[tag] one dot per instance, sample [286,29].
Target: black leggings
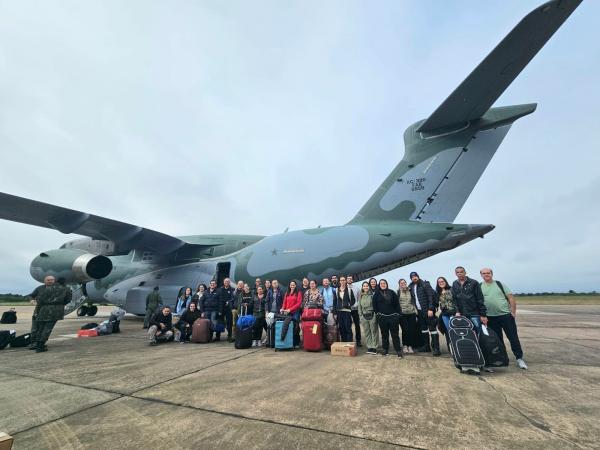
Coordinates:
[258,328]
[389,325]
[408,323]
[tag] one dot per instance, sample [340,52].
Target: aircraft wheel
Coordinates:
[82,311]
[92,310]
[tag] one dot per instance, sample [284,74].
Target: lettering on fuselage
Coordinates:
[418,184]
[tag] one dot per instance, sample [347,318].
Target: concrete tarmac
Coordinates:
[118,392]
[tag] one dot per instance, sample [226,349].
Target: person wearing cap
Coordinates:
[425,300]
[469,298]
[501,312]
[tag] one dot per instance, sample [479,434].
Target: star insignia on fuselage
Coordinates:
[274,252]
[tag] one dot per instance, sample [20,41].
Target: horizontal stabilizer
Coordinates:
[478,92]
[126,236]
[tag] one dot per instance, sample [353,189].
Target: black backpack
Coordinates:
[21,341]
[89,326]
[494,351]
[9,316]
[5,338]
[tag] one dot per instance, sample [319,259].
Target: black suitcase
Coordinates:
[464,346]
[9,317]
[494,351]
[21,341]
[243,337]
[5,338]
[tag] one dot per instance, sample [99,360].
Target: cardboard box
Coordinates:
[343,349]
[6,441]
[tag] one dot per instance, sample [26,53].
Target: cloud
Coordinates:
[251,117]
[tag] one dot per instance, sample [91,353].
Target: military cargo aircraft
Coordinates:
[408,218]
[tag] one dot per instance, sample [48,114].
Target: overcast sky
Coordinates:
[230,117]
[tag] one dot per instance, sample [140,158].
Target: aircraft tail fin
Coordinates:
[477,93]
[438,173]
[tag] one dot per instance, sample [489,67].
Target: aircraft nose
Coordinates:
[480,230]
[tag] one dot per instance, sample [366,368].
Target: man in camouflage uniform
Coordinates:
[49,300]
[153,301]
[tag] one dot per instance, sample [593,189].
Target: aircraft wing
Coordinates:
[125,235]
[476,94]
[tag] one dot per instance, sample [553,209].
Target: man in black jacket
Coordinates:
[469,298]
[227,298]
[161,326]
[211,306]
[425,300]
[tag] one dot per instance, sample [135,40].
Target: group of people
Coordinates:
[412,315]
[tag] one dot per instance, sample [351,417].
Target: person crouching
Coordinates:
[183,328]
[161,326]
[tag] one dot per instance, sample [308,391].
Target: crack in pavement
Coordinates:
[539,425]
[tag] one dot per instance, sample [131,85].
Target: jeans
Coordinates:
[507,323]
[476,323]
[345,325]
[214,318]
[228,321]
[389,325]
[446,320]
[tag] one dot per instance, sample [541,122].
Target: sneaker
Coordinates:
[410,350]
[384,353]
[371,351]
[521,364]
[405,349]
[488,370]
[400,355]
[153,341]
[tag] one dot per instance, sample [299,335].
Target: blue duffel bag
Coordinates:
[245,320]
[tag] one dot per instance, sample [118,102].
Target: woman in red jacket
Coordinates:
[292,301]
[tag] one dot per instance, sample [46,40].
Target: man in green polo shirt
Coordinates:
[501,312]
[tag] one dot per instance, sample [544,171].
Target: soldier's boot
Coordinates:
[435,344]
[41,347]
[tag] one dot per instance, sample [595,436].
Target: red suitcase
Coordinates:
[311,336]
[312,314]
[201,332]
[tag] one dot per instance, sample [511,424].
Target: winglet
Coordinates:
[478,92]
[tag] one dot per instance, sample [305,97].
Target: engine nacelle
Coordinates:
[75,266]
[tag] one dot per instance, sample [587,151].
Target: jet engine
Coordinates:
[76,266]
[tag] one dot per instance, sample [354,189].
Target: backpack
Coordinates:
[6,337]
[9,316]
[89,326]
[21,341]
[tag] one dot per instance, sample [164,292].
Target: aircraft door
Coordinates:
[223,270]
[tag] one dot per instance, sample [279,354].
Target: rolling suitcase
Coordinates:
[245,329]
[288,342]
[312,336]
[465,346]
[331,334]
[201,332]
[493,349]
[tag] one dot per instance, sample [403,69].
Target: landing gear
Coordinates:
[82,311]
[92,310]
